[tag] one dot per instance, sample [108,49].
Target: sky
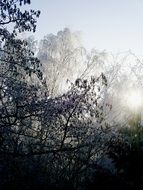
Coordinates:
[111,25]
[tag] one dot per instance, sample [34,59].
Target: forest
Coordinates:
[69,118]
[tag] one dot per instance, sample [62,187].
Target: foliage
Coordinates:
[127,154]
[48,140]
[11,13]
[62,57]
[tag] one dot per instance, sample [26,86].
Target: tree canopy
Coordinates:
[50,139]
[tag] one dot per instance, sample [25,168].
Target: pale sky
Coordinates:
[111,25]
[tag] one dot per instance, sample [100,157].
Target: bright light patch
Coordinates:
[134,100]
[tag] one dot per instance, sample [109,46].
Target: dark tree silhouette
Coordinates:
[45,142]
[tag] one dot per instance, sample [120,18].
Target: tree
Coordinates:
[17,96]
[62,56]
[49,139]
[12,14]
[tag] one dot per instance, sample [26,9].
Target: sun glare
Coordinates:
[135,100]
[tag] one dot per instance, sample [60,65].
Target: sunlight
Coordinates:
[134,100]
